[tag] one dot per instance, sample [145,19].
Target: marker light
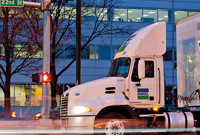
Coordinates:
[118,54]
[82,109]
[88,109]
[155,108]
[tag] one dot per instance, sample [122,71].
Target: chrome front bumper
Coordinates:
[79,124]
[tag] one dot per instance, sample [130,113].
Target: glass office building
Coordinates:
[98,55]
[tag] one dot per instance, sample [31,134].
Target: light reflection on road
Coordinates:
[34,127]
[57,132]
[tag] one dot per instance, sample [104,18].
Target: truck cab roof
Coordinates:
[143,42]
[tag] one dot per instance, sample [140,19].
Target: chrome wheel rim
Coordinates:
[114,127]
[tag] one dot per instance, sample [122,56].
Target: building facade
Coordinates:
[97,59]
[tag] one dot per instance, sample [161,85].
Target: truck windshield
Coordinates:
[119,67]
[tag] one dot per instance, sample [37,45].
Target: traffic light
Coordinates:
[46,77]
[36,77]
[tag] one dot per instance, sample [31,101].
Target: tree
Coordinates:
[19,43]
[63,28]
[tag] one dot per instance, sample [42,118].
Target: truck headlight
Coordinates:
[82,109]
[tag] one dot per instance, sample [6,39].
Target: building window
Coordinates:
[85,53]
[92,52]
[120,15]
[164,15]
[115,50]
[70,51]
[2,50]
[134,15]
[25,51]
[192,13]
[180,14]
[22,95]
[36,95]
[39,54]
[1,97]
[175,57]
[21,51]
[61,14]
[88,52]
[70,13]
[149,15]
[101,14]
[28,95]
[168,55]
[12,94]
[103,52]
[88,13]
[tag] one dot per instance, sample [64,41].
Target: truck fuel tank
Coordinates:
[179,120]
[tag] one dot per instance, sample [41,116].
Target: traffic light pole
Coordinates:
[45,7]
[46,60]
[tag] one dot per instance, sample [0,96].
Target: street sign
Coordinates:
[11,3]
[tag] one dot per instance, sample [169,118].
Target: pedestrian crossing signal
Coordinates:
[36,77]
[46,77]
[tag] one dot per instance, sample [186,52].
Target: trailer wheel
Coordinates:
[111,124]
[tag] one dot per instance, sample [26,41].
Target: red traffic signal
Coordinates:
[46,77]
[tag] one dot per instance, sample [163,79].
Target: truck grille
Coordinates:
[64,105]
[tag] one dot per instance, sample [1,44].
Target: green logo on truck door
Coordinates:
[143,94]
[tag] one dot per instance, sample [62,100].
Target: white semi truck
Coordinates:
[132,96]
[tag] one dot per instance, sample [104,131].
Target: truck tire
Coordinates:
[112,123]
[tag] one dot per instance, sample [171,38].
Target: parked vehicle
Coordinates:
[134,89]
[2,111]
[54,114]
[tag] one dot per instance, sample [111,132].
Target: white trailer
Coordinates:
[188,60]
[131,96]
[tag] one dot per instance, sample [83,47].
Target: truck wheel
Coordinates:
[111,124]
[114,127]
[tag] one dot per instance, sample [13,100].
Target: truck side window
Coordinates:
[135,77]
[149,69]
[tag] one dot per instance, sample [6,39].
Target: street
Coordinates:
[53,127]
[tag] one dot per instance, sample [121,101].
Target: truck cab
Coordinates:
[133,89]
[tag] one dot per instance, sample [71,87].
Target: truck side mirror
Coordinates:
[141,69]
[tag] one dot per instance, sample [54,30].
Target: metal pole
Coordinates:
[78,42]
[46,63]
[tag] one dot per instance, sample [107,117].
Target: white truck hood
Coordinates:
[97,94]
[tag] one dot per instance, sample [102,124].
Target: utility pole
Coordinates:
[78,42]
[46,7]
[46,58]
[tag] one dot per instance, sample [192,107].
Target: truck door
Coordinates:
[144,91]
